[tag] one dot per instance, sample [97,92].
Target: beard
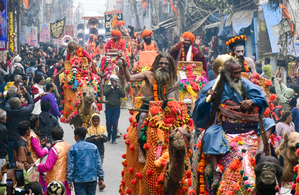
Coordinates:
[236,83]
[72,52]
[162,76]
[148,41]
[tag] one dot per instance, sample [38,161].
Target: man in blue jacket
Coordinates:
[84,165]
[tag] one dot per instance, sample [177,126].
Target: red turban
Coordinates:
[119,23]
[116,33]
[190,36]
[146,33]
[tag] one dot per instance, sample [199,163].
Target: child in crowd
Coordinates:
[97,134]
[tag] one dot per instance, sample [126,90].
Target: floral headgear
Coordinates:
[236,41]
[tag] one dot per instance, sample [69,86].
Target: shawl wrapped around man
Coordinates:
[215,132]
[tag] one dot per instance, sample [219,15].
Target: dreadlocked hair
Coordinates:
[172,67]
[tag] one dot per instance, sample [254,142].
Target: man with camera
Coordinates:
[113,91]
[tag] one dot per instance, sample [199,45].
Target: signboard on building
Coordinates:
[110,20]
[69,30]
[44,35]
[57,28]
[31,36]
[3,25]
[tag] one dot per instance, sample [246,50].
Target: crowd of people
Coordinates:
[31,137]
[31,103]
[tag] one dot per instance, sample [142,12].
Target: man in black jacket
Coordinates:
[113,91]
[15,115]
[3,138]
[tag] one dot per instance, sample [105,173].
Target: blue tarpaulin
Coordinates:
[224,32]
[272,18]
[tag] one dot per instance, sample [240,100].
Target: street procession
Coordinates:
[149,97]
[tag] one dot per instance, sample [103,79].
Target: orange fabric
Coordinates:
[119,23]
[287,15]
[31,149]
[26,3]
[150,47]
[116,33]
[190,36]
[95,38]
[143,4]
[146,33]
[174,9]
[147,58]
[58,172]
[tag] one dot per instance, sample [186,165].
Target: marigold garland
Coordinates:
[184,54]
[113,44]
[234,39]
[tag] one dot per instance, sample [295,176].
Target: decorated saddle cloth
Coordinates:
[230,120]
[235,121]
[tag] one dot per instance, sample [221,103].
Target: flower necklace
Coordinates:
[155,88]
[246,67]
[113,44]
[184,54]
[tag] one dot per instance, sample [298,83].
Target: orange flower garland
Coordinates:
[155,89]
[200,169]
[79,52]
[234,39]
[113,44]
[184,54]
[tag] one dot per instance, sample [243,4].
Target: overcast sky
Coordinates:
[92,5]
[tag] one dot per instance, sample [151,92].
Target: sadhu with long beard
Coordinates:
[161,83]
[238,90]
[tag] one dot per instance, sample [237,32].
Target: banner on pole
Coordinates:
[31,36]
[3,25]
[57,28]
[44,33]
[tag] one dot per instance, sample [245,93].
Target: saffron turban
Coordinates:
[119,23]
[116,33]
[146,33]
[190,36]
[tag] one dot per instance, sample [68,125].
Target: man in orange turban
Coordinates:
[116,43]
[120,23]
[89,46]
[100,48]
[148,44]
[185,51]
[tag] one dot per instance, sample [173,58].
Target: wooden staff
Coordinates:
[138,110]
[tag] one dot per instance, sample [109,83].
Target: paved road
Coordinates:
[112,161]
